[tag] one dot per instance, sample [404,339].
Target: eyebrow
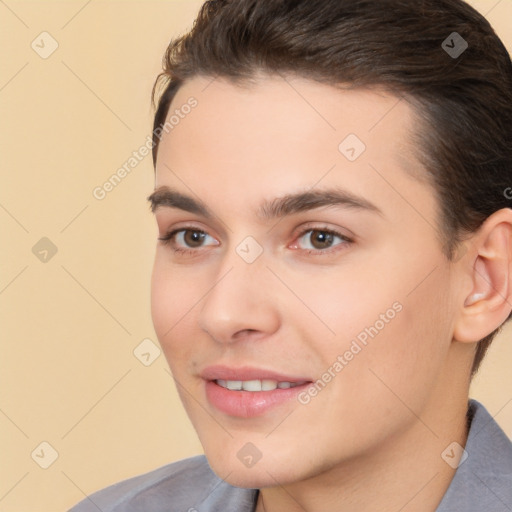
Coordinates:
[278,207]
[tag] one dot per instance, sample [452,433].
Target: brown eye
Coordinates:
[193,238]
[321,239]
[188,238]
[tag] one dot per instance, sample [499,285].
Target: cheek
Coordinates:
[163,303]
[404,357]
[340,305]
[173,298]
[392,323]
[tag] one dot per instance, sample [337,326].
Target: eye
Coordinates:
[320,240]
[185,239]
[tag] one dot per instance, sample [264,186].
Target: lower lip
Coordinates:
[247,404]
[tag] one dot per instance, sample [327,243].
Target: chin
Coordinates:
[263,473]
[247,478]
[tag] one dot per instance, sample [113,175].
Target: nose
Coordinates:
[242,302]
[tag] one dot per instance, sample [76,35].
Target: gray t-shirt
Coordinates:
[482,483]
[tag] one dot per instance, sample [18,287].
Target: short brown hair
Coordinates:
[464,101]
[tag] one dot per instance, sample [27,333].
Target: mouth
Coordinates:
[244,374]
[247,392]
[257,385]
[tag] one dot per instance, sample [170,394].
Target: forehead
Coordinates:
[282,133]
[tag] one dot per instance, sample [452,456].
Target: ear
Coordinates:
[488,272]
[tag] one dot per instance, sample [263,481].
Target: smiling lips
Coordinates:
[247,392]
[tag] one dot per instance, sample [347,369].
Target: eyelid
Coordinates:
[168,216]
[191,225]
[322,226]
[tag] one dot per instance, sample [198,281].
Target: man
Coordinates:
[334,257]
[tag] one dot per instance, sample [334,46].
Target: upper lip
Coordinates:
[245,373]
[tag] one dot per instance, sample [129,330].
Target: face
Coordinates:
[301,264]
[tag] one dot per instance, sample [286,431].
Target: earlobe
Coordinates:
[489,302]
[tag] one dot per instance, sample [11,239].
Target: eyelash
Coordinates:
[325,252]
[169,237]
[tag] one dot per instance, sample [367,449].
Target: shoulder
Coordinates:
[483,481]
[188,485]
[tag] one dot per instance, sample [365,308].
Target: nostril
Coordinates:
[246,333]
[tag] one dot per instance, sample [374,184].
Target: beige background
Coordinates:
[69,376]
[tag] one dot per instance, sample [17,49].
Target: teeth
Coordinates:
[234,385]
[268,385]
[256,385]
[251,385]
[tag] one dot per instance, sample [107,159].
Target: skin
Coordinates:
[372,438]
